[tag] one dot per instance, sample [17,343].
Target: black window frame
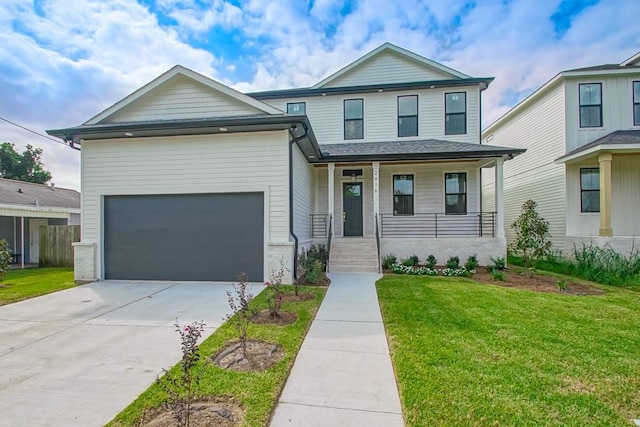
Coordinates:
[304,104]
[411,196]
[448,114]
[463,194]
[590,190]
[636,103]
[581,106]
[400,117]
[344,115]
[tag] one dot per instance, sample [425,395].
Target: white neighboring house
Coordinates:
[25,207]
[188,179]
[582,166]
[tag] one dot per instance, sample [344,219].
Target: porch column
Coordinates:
[22,243]
[331,193]
[604,160]
[376,191]
[499,195]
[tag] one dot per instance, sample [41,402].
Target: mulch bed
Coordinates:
[284,318]
[259,356]
[214,412]
[534,282]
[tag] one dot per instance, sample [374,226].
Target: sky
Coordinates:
[64,61]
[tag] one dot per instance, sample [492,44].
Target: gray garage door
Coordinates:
[184,237]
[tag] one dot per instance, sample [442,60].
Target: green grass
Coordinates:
[475,354]
[257,392]
[19,285]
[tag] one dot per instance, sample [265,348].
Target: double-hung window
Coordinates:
[353,118]
[590,190]
[455,188]
[297,108]
[590,105]
[455,113]
[636,103]
[403,194]
[408,115]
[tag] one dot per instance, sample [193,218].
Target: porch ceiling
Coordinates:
[428,149]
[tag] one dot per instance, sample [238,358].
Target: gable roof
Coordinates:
[388,47]
[22,193]
[170,74]
[620,139]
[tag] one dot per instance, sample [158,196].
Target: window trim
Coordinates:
[582,211]
[295,103]
[413,193]
[466,193]
[345,120]
[408,116]
[455,114]
[580,105]
[635,102]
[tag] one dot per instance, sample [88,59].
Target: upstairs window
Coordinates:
[455,188]
[408,115]
[403,194]
[353,119]
[590,105]
[636,103]
[297,108]
[590,190]
[455,112]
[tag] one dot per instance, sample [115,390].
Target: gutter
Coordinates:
[294,140]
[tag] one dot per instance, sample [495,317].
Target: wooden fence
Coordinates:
[55,245]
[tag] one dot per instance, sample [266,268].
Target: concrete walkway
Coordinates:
[343,374]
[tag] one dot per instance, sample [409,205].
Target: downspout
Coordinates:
[291,232]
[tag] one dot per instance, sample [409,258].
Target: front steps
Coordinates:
[353,255]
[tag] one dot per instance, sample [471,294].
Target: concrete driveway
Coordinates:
[78,357]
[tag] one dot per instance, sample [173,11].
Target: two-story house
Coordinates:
[188,179]
[582,166]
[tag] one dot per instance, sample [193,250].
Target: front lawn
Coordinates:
[477,354]
[19,285]
[256,392]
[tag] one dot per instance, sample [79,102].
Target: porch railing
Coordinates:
[473,224]
[319,225]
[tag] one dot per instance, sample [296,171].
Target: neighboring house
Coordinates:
[25,207]
[188,179]
[582,167]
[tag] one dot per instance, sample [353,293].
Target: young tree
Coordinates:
[27,166]
[532,234]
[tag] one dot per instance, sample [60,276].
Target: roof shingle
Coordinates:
[29,194]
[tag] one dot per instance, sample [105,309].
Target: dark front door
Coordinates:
[352,209]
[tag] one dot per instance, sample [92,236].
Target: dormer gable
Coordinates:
[389,64]
[181,93]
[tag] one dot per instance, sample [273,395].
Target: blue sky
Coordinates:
[63,61]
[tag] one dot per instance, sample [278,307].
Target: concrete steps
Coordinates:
[353,255]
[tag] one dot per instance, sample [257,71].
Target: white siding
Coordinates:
[326,114]
[192,164]
[388,67]
[532,175]
[182,98]
[617,108]
[303,197]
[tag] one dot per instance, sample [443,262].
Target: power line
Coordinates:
[34,132]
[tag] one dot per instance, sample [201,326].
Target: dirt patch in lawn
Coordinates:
[534,282]
[220,412]
[259,356]
[283,318]
[301,297]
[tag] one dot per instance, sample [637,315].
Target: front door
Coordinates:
[34,238]
[352,209]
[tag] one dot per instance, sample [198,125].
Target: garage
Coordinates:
[211,237]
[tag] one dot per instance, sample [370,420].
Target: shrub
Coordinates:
[497,275]
[411,261]
[453,263]
[431,261]
[498,264]
[310,270]
[532,234]
[5,258]
[419,271]
[319,253]
[388,261]
[314,273]
[472,262]
[606,266]
[457,272]
[239,301]
[562,285]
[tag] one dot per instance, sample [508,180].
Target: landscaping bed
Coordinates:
[251,387]
[28,283]
[523,279]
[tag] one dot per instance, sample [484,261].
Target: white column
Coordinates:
[22,243]
[331,193]
[499,193]
[376,191]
